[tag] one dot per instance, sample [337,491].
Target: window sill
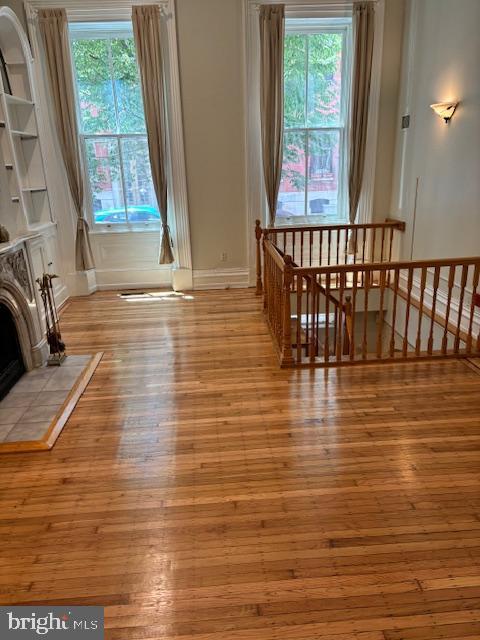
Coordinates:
[310,221]
[95,231]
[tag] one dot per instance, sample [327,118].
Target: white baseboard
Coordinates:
[235,278]
[112,279]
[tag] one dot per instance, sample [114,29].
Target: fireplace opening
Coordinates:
[12,366]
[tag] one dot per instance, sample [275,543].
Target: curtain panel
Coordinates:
[363,26]
[53,27]
[272,37]
[146,31]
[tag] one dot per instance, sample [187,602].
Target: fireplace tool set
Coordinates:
[54,337]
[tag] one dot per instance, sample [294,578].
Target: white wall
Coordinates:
[210,41]
[441,62]
[387,113]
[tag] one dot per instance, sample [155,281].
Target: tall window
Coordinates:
[112,126]
[317,87]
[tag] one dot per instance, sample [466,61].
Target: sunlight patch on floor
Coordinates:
[154,296]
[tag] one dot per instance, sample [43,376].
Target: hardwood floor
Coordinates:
[201,493]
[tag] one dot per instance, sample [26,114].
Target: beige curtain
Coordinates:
[54,29]
[272,35]
[146,30]
[363,25]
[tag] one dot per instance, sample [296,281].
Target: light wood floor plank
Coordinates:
[199,492]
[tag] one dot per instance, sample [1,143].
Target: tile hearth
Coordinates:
[28,410]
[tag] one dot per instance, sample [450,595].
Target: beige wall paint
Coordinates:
[210,38]
[388,120]
[444,158]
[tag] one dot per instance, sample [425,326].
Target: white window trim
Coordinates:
[345,30]
[119,10]
[106,31]
[255,190]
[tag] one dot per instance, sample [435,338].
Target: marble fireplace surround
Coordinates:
[18,295]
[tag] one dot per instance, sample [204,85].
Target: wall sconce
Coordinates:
[444,109]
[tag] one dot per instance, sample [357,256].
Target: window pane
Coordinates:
[94,86]
[324,79]
[291,198]
[295,65]
[141,202]
[127,86]
[105,181]
[323,157]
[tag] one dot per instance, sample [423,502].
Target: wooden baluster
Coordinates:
[354,308]
[329,246]
[407,311]
[463,284]
[299,317]
[366,288]
[394,311]
[347,328]
[311,245]
[301,248]
[327,318]
[340,314]
[364,242]
[314,328]
[335,327]
[476,275]
[338,247]
[294,242]
[451,282]
[345,246]
[355,247]
[383,276]
[423,282]
[382,256]
[390,248]
[436,281]
[258,236]
[372,251]
[307,313]
[317,317]
[320,251]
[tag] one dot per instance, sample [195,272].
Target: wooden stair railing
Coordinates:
[325,245]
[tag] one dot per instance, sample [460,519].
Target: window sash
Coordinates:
[106,31]
[343,27]
[127,225]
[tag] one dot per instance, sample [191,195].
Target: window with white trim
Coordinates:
[120,192]
[317,79]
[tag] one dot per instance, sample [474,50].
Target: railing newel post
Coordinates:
[286,353]
[258,237]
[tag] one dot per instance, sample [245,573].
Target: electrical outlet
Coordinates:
[476,299]
[224,256]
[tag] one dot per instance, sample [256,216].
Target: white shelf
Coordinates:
[34,189]
[24,135]
[17,100]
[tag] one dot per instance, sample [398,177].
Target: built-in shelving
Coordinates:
[26,203]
